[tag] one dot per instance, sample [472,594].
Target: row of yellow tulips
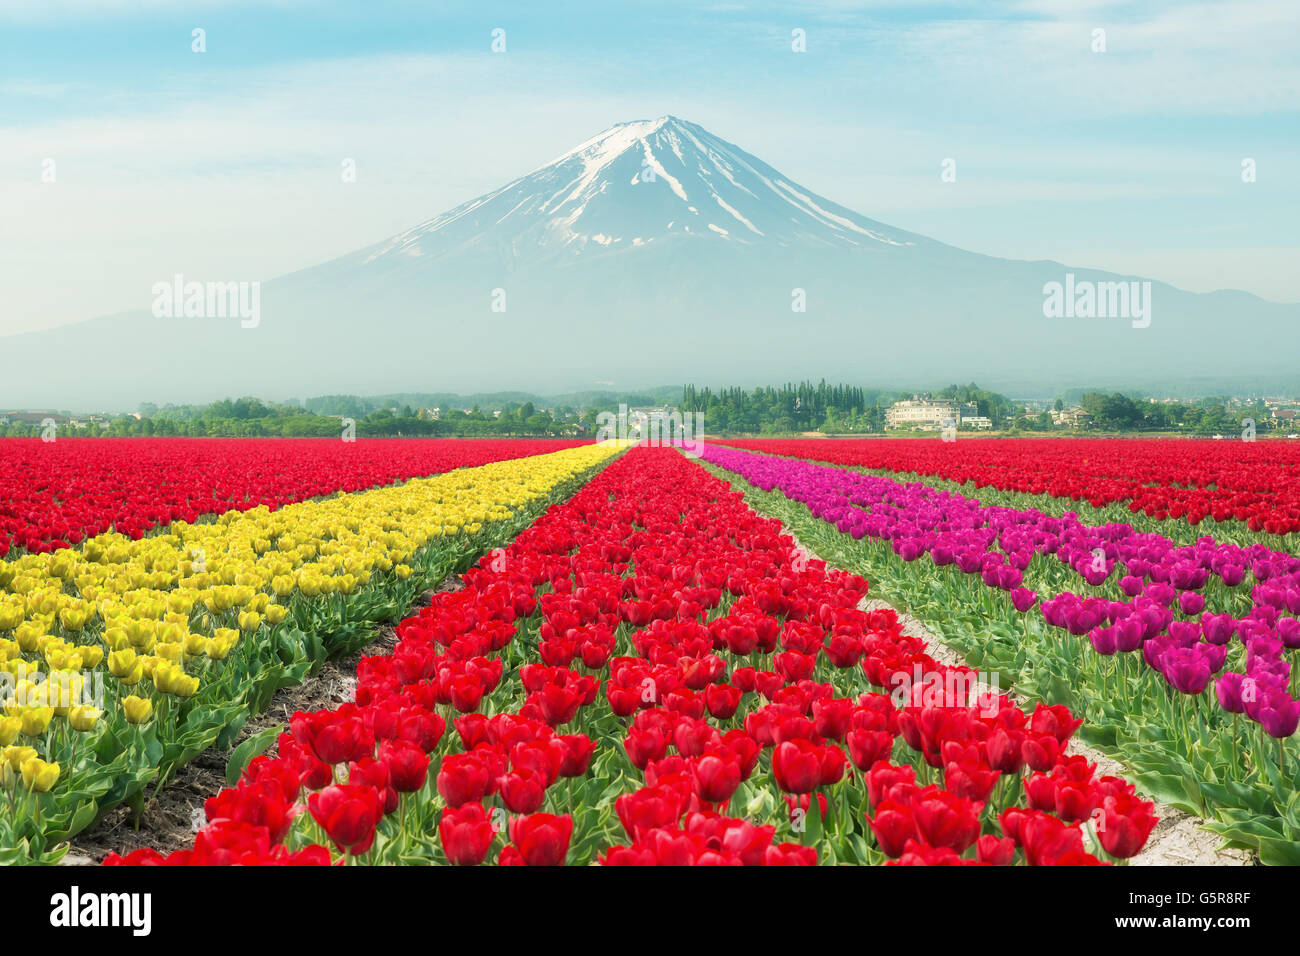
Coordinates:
[122,613]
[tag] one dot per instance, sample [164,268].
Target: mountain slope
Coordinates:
[634,184]
[652,252]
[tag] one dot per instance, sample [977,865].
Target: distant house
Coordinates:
[976,421]
[1071,417]
[653,411]
[1286,414]
[923,414]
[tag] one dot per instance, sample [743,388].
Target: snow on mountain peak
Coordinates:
[637,183]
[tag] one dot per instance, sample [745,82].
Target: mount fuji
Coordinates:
[653,252]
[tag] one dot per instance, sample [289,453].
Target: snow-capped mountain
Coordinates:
[638,183]
[654,252]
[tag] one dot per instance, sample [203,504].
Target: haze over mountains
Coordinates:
[653,252]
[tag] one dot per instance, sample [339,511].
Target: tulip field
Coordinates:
[634,656]
[1255,483]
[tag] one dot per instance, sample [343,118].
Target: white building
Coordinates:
[927,415]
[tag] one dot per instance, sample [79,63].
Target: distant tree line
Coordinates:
[252,418]
[1208,416]
[820,407]
[767,410]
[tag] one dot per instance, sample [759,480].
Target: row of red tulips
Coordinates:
[652,674]
[1253,482]
[59,493]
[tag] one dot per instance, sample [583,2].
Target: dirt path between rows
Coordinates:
[173,815]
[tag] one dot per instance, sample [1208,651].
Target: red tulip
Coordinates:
[943,819]
[523,791]
[642,746]
[885,781]
[797,766]
[408,765]
[466,834]
[542,839]
[648,808]
[717,775]
[1124,824]
[463,778]
[996,851]
[577,753]
[260,803]
[893,826]
[1045,838]
[349,813]
[722,700]
[867,747]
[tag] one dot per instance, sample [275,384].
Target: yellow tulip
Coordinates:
[36,720]
[275,613]
[28,635]
[121,663]
[138,710]
[173,652]
[134,675]
[249,620]
[92,655]
[184,685]
[9,728]
[43,602]
[72,619]
[11,616]
[40,776]
[64,690]
[163,674]
[84,718]
[20,668]
[26,692]
[169,632]
[15,757]
[141,633]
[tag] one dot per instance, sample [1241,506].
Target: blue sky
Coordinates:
[226,163]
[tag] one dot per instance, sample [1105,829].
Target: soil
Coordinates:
[173,815]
